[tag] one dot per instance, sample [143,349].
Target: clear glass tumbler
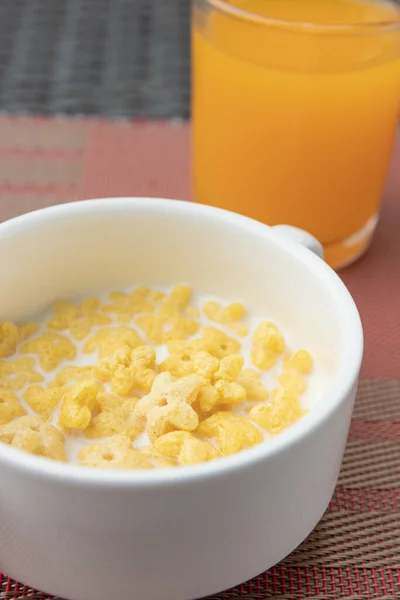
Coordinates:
[295,106]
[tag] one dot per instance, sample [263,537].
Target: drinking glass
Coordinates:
[295,107]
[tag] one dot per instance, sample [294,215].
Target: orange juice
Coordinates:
[295,109]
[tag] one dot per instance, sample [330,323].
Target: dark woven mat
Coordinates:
[128,58]
[111,57]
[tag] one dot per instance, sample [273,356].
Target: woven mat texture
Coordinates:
[354,553]
[110,57]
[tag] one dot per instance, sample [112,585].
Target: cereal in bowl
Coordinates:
[115,453]
[168,407]
[186,447]
[78,319]
[16,374]
[148,379]
[11,335]
[10,407]
[127,370]
[34,436]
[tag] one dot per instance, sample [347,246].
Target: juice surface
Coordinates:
[321,11]
[294,122]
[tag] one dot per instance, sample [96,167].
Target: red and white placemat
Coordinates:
[354,553]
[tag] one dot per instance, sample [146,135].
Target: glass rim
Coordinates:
[252,17]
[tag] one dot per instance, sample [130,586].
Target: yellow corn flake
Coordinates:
[192,312]
[125,307]
[141,373]
[173,303]
[301,361]
[186,447]
[16,374]
[27,330]
[10,408]
[180,328]
[106,367]
[268,345]
[168,406]
[142,291]
[178,365]
[205,364]
[284,411]
[255,389]
[170,443]
[233,433]
[33,435]
[219,376]
[43,401]
[213,402]
[114,416]
[153,327]
[293,381]
[115,453]
[229,368]
[128,370]
[156,296]
[70,375]
[188,361]
[11,335]
[158,460]
[232,312]
[172,320]
[217,343]
[77,404]
[222,388]
[110,339]
[9,338]
[263,358]
[267,335]
[228,316]
[51,349]
[208,399]
[197,451]
[180,347]
[159,330]
[78,319]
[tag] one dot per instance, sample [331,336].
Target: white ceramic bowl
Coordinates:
[185,533]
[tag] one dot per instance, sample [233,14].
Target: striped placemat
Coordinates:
[354,553]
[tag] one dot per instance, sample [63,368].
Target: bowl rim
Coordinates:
[346,379]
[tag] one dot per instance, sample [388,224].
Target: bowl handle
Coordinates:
[300,237]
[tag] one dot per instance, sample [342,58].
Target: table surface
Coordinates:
[354,552]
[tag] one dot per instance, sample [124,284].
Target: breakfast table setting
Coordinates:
[75,144]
